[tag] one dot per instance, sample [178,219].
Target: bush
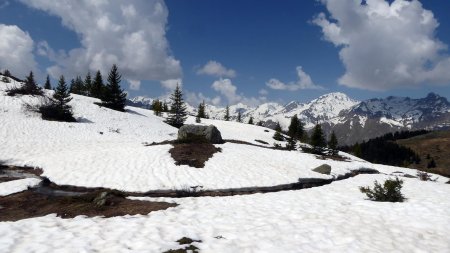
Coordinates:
[389,192]
[423,176]
[54,112]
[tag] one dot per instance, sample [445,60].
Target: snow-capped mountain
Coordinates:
[352,120]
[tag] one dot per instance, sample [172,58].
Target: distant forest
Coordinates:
[385,150]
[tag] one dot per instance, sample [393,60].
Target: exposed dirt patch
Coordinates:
[30,204]
[193,154]
[35,171]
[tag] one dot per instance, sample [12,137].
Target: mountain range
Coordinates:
[352,120]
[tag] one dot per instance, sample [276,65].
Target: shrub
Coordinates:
[52,111]
[423,176]
[389,192]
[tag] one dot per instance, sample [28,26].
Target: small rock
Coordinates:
[323,169]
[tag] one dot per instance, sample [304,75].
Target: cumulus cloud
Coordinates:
[16,50]
[131,34]
[229,91]
[385,45]
[193,99]
[214,68]
[304,82]
[171,84]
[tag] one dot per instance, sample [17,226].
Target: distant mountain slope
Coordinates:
[353,121]
[434,145]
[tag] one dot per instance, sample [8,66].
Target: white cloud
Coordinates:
[194,99]
[131,34]
[171,84]
[229,91]
[16,51]
[304,82]
[214,68]
[384,46]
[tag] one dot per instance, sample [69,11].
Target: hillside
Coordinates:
[434,145]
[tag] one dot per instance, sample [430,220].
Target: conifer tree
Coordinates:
[332,143]
[250,121]
[318,139]
[291,144]
[47,84]
[7,73]
[177,114]
[157,107]
[77,86]
[114,97]
[165,107]
[301,134]
[260,123]
[239,116]
[227,113]
[88,84]
[59,109]
[98,87]
[72,85]
[30,87]
[278,136]
[200,112]
[293,127]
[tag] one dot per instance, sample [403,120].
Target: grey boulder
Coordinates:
[198,133]
[323,169]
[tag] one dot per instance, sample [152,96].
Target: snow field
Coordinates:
[332,218]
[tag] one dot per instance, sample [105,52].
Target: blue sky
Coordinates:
[258,50]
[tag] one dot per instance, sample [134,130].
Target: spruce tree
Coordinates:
[30,87]
[114,97]
[250,121]
[293,127]
[278,136]
[97,87]
[177,114]
[227,113]
[318,139]
[157,107]
[291,144]
[47,84]
[77,86]
[239,116]
[72,86]
[88,84]
[301,134]
[7,73]
[165,107]
[200,112]
[332,143]
[59,109]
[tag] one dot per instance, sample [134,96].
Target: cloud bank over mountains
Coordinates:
[385,46]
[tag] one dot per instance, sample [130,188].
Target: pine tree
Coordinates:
[88,84]
[157,107]
[239,116]
[114,97]
[98,87]
[332,143]
[250,121]
[278,136]
[301,134]
[30,87]
[227,113]
[293,127]
[77,86]
[291,144]
[165,107]
[318,139]
[7,73]
[47,84]
[59,109]
[72,85]
[177,114]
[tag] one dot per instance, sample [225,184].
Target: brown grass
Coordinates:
[29,204]
[437,145]
[193,154]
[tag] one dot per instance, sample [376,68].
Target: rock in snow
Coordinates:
[324,169]
[189,133]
